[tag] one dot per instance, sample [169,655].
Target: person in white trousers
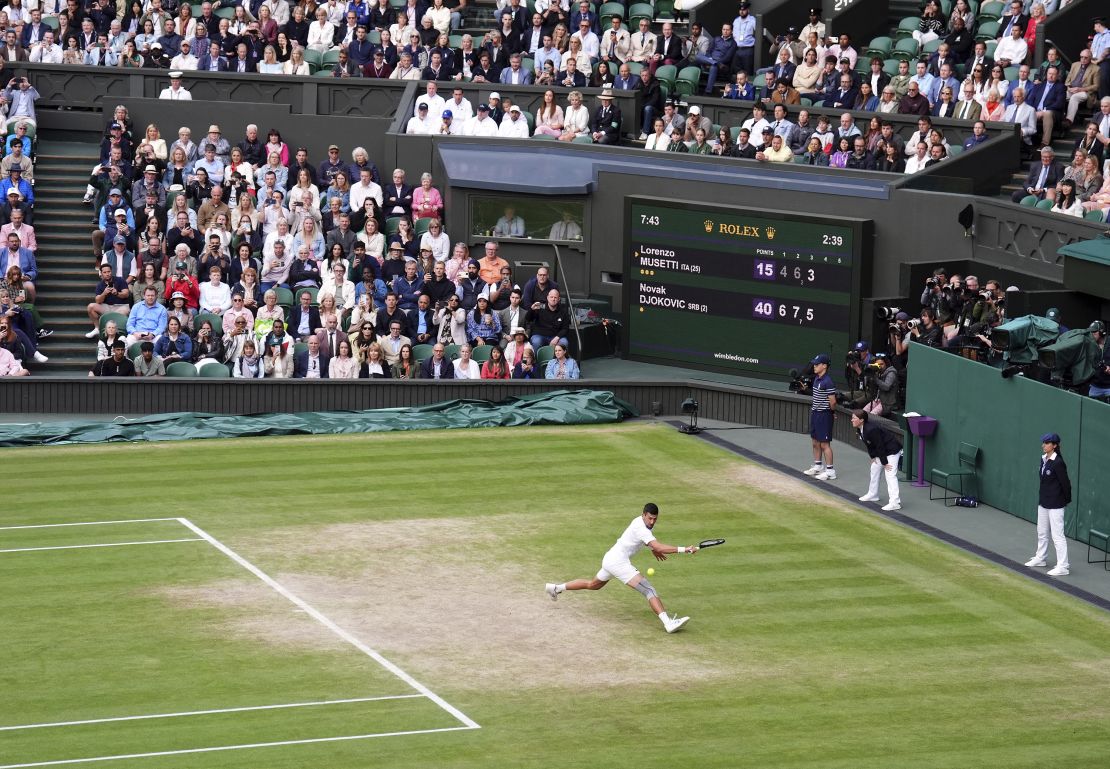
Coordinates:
[884,450]
[1055,495]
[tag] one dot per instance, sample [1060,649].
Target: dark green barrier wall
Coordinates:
[1005,419]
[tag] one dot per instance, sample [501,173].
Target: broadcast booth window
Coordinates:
[514,216]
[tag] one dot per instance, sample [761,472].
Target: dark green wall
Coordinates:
[1005,418]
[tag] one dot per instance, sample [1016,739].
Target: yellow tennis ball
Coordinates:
[651,572]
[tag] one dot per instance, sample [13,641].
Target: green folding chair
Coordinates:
[214,371]
[544,355]
[422,352]
[1046,204]
[879,46]
[667,74]
[481,353]
[907,26]
[905,49]
[640,11]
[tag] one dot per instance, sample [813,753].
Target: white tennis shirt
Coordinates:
[636,536]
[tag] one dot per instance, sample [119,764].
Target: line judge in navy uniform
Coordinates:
[822,411]
[1055,495]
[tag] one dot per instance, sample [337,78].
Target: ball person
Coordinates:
[821,413]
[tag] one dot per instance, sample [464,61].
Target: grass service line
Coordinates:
[188,751]
[210,712]
[103,544]
[84,523]
[326,622]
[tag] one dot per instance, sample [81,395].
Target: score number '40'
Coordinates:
[767,310]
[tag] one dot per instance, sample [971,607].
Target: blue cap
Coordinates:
[822,358]
[1050,438]
[447,113]
[861,345]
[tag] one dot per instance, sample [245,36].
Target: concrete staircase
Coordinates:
[63,226]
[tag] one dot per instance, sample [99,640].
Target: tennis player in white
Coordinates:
[617,563]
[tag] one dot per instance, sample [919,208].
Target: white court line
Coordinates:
[104,544]
[323,620]
[209,712]
[236,747]
[85,523]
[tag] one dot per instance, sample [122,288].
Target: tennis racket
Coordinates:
[710,543]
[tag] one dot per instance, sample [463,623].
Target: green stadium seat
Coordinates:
[687,81]
[225,13]
[543,137]
[312,290]
[331,58]
[420,226]
[967,466]
[890,67]
[300,347]
[991,45]
[907,26]
[990,12]
[182,369]
[879,46]
[134,350]
[391,225]
[1011,74]
[118,317]
[587,139]
[544,354]
[664,10]
[608,10]
[640,11]
[931,46]
[667,74]
[216,321]
[451,351]
[313,56]
[422,352]
[481,353]
[955,149]
[988,30]
[322,72]
[1030,201]
[905,49]
[213,371]
[1046,204]
[634,67]
[284,296]
[1094,216]
[375,38]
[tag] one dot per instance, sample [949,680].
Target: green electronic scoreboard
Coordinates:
[740,290]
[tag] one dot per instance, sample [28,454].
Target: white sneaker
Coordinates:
[1059,571]
[675,623]
[551,589]
[868,498]
[814,469]
[891,506]
[93,334]
[1034,562]
[826,475]
[40,357]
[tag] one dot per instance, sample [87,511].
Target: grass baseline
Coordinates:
[203,536]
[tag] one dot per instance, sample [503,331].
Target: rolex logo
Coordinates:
[708,225]
[770,233]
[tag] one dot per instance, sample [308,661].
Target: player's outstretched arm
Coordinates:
[661,550]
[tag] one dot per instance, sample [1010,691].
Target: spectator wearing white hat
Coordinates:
[515,126]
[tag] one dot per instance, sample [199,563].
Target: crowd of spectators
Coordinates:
[218,229]
[250,256]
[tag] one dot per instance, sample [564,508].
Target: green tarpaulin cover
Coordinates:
[559,407]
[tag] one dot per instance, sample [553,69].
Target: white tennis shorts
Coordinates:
[617,569]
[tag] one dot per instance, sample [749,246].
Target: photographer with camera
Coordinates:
[1100,382]
[927,332]
[937,296]
[858,374]
[898,340]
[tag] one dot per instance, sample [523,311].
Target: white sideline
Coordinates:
[85,523]
[323,620]
[103,544]
[210,712]
[235,747]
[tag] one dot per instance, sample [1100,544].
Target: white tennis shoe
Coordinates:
[1058,571]
[551,589]
[1034,562]
[674,623]
[869,498]
[826,475]
[814,469]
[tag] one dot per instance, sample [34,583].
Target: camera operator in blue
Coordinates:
[1055,495]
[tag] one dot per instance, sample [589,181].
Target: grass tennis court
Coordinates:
[233,618]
